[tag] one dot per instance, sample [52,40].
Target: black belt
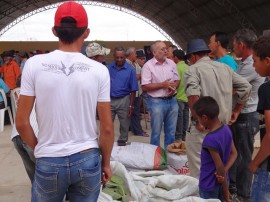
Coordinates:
[166,98]
[118,97]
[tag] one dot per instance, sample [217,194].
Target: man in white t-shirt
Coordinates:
[66,87]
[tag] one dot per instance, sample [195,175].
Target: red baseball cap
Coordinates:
[74,10]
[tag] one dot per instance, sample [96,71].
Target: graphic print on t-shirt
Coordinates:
[67,70]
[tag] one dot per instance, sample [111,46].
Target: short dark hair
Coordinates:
[247,36]
[119,48]
[262,47]
[207,106]
[180,54]
[222,37]
[68,32]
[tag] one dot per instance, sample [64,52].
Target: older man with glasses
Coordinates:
[160,80]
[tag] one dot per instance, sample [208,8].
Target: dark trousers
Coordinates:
[244,130]
[182,121]
[135,124]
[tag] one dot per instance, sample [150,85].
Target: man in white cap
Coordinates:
[66,88]
[96,52]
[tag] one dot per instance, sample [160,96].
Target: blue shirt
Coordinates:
[228,60]
[123,80]
[219,140]
[4,86]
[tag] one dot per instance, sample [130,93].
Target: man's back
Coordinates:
[66,93]
[210,78]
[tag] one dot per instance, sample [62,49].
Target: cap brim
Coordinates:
[107,51]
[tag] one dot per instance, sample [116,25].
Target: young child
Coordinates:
[218,151]
[261,163]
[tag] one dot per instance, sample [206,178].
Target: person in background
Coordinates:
[96,52]
[160,80]
[247,124]
[171,48]
[140,57]
[218,151]
[218,45]
[6,90]
[10,69]
[70,156]
[135,124]
[260,165]
[23,58]
[124,85]
[183,111]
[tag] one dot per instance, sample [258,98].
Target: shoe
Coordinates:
[235,198]
[143,134]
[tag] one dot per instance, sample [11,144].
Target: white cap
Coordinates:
[94,49]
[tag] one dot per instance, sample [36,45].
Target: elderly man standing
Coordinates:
[209,78]
[247,124]
[123,90]
[160,80]
[135,125]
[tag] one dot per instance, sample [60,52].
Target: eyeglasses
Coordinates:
[164,49]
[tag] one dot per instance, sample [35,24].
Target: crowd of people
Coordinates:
[202,96]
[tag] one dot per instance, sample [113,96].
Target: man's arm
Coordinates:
[264,151]
[157,86]
[232,158]
[25,130]
[131,103]
[106,138]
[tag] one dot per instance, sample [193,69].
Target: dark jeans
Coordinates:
[244,130]
[217,193]
[27,156]
[182,121]
[135,124]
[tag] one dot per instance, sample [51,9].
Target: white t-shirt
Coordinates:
[67,87]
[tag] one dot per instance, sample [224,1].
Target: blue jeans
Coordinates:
[79,174]
[163,111]
[135,124]
[261,186]
[244,130]
[27,156]
[217,193]
[182,121]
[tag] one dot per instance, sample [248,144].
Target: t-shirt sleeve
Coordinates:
[210,143]
[264,97]
[146,75]
[104,91]
[27,82]
[133,81]
[192,82]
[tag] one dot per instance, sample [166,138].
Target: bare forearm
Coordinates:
[238,107]
[152,86]
[264,151]
[232,158]
[132,98]
[106,144]
[27,134]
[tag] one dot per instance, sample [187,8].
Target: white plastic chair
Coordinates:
[14,96]
[2,111]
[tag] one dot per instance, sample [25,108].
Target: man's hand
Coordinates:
[171,91]
[130,111]
[220,178]
[252,167]
[227,195]
[233,117]
[106,174]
